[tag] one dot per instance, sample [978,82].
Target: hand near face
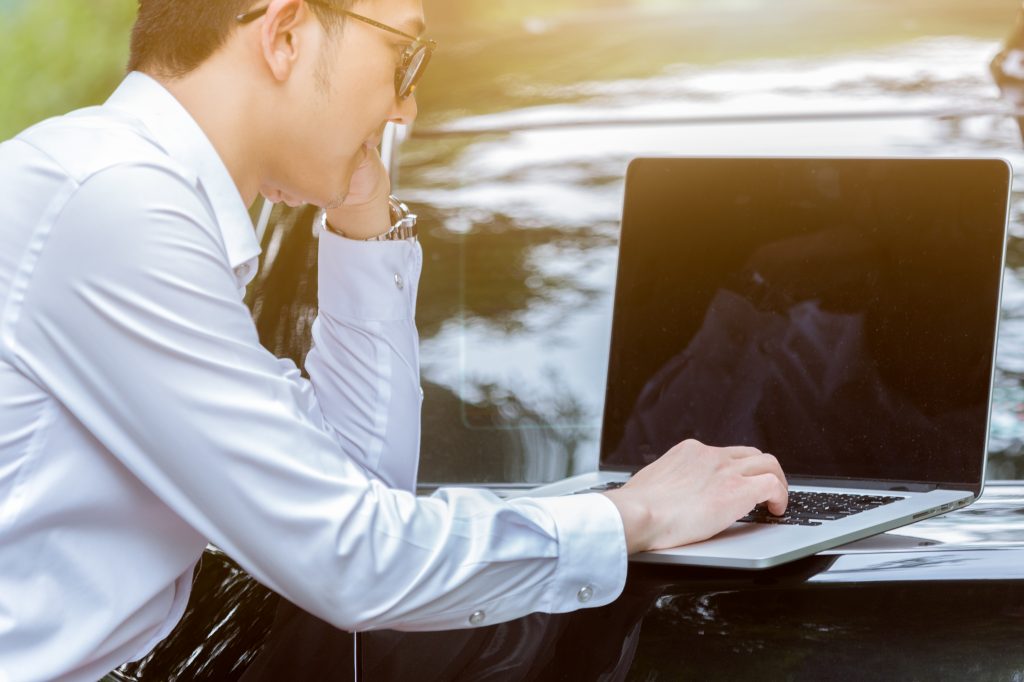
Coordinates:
[364,212]
[369,181]
[694,492]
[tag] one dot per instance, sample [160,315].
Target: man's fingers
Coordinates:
[742,452]
[762,464]
[771,490]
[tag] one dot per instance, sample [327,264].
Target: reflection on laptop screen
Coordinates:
[838,313]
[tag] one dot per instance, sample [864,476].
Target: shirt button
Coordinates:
[585,594]
[399,282]
[476,618]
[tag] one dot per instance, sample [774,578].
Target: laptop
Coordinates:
[839,313]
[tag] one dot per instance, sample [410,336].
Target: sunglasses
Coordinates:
[412,62]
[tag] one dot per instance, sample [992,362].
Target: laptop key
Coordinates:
[758,516]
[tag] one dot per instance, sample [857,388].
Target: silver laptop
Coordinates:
[838,313]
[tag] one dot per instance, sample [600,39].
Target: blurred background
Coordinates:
[529,114]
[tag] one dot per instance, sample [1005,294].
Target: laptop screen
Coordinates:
[838,313]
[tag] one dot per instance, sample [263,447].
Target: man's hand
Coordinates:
[695,491]
[364,212]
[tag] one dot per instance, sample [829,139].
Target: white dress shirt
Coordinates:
[140,418]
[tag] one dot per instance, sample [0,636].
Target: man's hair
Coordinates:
[172,37]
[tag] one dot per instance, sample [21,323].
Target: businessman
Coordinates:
[141,419]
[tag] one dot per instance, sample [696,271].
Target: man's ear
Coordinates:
[279,37]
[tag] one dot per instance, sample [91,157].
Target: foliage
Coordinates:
[57,55]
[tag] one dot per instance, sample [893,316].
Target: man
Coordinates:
[141,419]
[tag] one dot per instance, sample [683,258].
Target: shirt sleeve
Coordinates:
[364,363]
[133,322]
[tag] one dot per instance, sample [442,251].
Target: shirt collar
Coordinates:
[174,129]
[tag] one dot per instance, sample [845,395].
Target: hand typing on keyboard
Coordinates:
[695,491]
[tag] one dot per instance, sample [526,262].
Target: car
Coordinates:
[515,170]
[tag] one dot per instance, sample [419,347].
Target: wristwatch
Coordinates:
[403,223]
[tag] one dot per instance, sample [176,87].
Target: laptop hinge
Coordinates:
[902,486]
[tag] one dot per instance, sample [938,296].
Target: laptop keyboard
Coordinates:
[811,508]
[804,508]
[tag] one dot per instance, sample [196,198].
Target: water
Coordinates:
[521,227]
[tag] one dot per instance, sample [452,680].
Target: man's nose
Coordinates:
[405,110]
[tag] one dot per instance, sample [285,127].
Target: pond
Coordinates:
[516,169]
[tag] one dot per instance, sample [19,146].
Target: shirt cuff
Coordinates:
[592,557]
[368,280]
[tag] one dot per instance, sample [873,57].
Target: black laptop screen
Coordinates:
[838,313]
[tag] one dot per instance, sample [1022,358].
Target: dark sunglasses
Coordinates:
[412,63]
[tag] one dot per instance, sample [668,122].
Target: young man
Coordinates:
[141,418]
